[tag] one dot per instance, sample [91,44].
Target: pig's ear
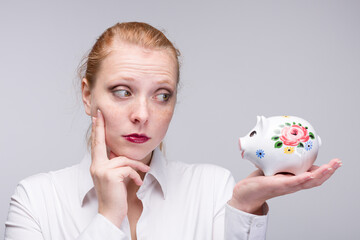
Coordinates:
[258,119]
[262,122]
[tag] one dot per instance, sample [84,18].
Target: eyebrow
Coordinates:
[164,81]
[131,79]
[127,78]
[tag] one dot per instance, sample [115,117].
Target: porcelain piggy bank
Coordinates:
[281,144]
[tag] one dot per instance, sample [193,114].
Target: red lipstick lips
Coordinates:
[136,138]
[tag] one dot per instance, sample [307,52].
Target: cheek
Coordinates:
[167,115]
[163,119]
[99,100]
[113,116]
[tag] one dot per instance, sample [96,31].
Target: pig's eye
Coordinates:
[253,133]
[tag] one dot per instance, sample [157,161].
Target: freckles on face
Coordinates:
[163,118]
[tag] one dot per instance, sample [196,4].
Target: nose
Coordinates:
[140,112]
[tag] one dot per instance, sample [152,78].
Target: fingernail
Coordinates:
[98,113]
[93,120]
[337,165]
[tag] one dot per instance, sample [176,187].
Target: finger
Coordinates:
[295,182]
[118,162]
[99,146]
[322,170]
[313,168]
[324,173]
[316,182]
[335,163]
[93,132]
[326,176]
[128,172]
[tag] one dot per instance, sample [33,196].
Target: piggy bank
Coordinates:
[281,144]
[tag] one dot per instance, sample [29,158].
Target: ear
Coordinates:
[261,122]
[86,95]
[264,123]
[258,120]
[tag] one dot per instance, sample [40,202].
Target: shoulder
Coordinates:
[44,184]
[43,179]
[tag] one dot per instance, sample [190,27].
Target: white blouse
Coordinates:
[180,201]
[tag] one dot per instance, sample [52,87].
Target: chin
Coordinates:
[132,152]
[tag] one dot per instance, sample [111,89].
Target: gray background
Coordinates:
[240,59]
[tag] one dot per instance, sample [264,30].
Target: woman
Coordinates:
[129,89]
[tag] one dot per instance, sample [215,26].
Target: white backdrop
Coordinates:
[240,59]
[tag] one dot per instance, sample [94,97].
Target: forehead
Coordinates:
[137,62]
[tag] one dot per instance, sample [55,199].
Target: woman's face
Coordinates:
[135,90]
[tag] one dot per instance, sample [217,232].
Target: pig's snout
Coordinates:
[242,150]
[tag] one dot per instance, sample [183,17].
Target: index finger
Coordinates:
[98,146]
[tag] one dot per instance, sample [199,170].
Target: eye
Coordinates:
[163,97]
[253,133]
[122,93]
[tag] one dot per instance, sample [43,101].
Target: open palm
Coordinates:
[250,194]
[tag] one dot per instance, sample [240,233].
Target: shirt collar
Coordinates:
[157,170]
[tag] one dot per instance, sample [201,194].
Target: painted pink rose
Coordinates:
[291,136]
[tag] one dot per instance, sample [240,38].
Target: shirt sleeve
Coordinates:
[101,228]
[231,223]
[242,225]
[24,222]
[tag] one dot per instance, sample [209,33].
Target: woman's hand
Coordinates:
[111,177]
[250,194]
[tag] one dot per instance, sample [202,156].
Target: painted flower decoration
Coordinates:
[260,153]
[289,150]
[308,145]
[293,135]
